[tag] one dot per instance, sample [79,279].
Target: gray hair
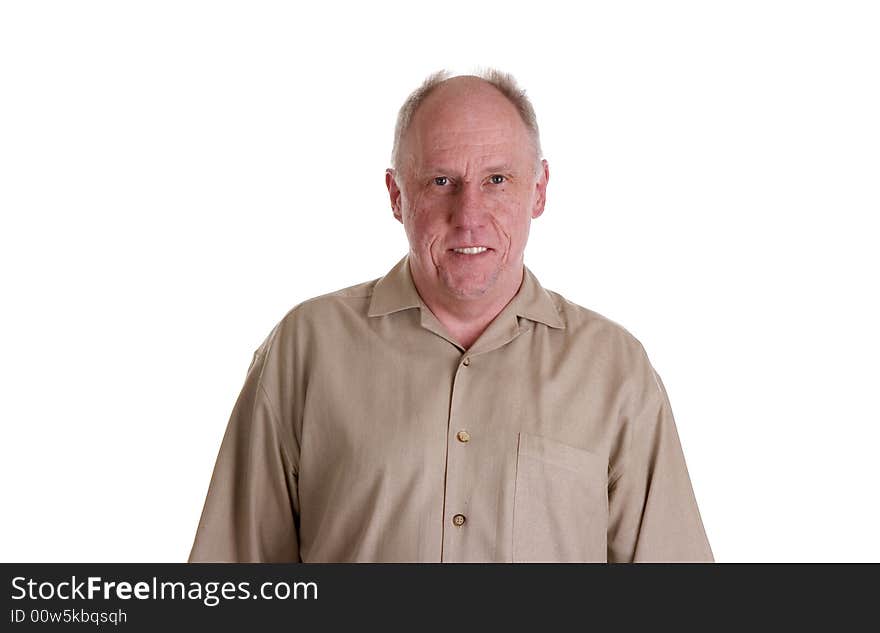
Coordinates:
[503,82]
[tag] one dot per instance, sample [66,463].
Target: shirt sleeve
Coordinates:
[251,510]
[653,514]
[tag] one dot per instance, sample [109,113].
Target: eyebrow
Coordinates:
[499,168]
[492,169]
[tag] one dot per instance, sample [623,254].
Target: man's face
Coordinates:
[468,179]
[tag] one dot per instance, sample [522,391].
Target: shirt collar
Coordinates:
[396,291]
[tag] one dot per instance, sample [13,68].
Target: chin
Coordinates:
[467,292]
[470,288]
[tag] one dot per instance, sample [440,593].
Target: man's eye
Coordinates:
[496,179]
[441,181]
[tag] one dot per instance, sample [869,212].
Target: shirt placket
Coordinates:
[466,528]
[456,510]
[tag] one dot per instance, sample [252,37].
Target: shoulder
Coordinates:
[344,299]
[610,350]
[601,340]
[584,322]
[320,315]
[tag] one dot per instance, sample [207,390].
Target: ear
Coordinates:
[541,189]
[393,193]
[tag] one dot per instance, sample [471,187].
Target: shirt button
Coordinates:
[466,361]
[463,436]
[458,520]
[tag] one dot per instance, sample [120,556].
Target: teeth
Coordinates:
[471,250]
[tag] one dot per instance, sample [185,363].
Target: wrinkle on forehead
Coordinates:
[498,134]
[465,113]
[447,148]
[464,140]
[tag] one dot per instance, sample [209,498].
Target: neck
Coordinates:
[467,319]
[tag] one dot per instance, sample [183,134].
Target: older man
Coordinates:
[453,410]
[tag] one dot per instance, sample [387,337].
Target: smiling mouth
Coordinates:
[471,250]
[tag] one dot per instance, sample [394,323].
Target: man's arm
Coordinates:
[252,508]
[653,514]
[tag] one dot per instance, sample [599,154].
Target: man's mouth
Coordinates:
[470,250]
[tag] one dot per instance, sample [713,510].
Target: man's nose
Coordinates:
[468,206]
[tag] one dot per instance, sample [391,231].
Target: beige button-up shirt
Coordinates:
[365,432]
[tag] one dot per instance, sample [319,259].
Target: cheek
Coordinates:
[423,229]
[513,218]
[426,217]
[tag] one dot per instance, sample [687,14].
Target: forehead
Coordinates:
[470,121]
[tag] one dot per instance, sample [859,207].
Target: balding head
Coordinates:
[463,91]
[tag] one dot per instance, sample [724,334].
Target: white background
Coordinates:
[174,176]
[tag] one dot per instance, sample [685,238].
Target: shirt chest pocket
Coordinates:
[560,507]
